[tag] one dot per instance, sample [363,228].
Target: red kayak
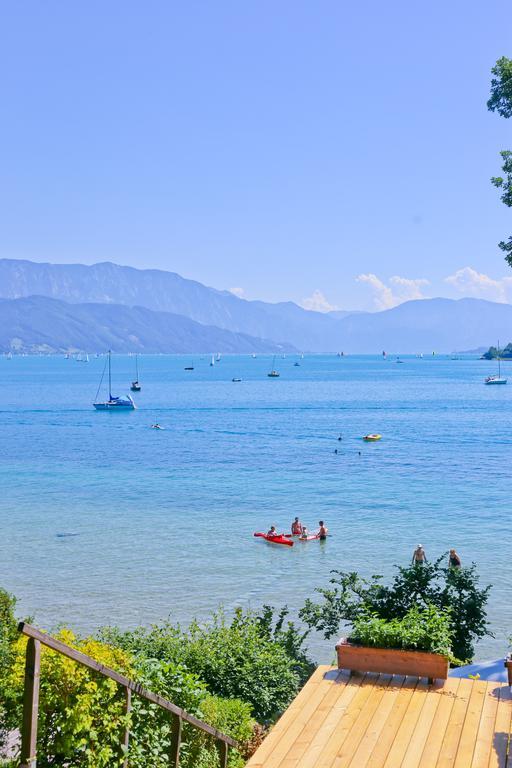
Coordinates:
[280,539]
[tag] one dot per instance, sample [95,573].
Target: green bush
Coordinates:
[252,657]
[81,713]
[454,589]
[421,629]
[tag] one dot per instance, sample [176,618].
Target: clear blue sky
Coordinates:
[276,147]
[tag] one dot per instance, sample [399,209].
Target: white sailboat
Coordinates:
[273,373]
[212,361]
[136,387]
[499,379]
[113,403]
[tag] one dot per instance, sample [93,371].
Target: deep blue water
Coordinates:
[164,520]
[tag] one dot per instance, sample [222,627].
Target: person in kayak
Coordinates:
[418,556]
[296,527]
[272,531]
[454,560]
[322,530]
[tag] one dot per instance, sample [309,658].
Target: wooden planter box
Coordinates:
[508,666]
[392,661]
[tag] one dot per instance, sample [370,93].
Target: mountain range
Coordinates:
[37,324]
[59,307]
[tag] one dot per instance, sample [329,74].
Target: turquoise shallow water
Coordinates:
[164,520]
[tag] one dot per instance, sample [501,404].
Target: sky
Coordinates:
[335,154]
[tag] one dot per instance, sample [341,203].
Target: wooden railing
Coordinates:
[31,701]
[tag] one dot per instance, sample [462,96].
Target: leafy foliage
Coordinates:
[81,714]
[252,657]
[500,101]
[493,353]
[421,629]
[453,589]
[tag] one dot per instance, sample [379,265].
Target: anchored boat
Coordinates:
[113,403]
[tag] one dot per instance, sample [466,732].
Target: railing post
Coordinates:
[30,704]
[223,753]
[126,736]
[175,741]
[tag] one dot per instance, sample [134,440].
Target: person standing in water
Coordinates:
[418,556]
[454,560]
[296,527]
[322,530]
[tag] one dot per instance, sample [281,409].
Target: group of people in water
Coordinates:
[301,531]
[419,557]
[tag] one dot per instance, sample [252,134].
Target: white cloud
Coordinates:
[469,282]
[317,303]
[398,290]
[240,292]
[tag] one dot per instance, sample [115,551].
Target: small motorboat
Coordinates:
[297,365]
[372,438]
[279,539]
[189,368]
[156,426]
[235,379]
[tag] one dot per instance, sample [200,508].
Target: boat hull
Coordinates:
[116,405]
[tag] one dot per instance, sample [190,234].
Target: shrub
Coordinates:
[252,657]
[453,589]
[81,713]
[421,629]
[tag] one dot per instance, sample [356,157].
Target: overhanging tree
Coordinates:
[501,102]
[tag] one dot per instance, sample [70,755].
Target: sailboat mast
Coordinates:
[136,367]
[499,361]
[109,377]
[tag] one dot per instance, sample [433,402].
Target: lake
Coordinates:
[105,520]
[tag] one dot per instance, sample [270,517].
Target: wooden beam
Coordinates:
[126,735]
[30,704]
[174,755]
[223,753]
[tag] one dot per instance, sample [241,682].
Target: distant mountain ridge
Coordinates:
[168,292]
[441,325]
[39,324]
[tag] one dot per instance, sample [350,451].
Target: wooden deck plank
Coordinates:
[328,754]
[362,754]
[282,744]
[316,680]
[439,725]
[453,732]
[331,722]
[406,729]
[385,721]
[421,733]
[315,723]
[467,741]
[501,736]
[485,734]
[362,721]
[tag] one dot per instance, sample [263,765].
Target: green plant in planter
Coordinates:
[421,629]
[350,596]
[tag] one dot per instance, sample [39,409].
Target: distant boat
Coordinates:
[212,361]
[499,379]
[297,365]
[302,355]
[383,354]
[189,368]
[273,373]
[235,379]
[113,403]
[253,356]
[82,358]
[398,360]
[218,357]
[136,387]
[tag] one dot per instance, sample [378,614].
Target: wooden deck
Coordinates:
[387,721]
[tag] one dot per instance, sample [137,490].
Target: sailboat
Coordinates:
[113,403]
[273,373]
[212,361]
[499,379]
[135,387]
